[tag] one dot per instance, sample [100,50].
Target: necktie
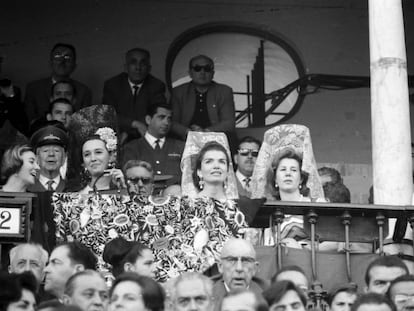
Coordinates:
[49,185]
[157,145]
[136,88]
[247,183]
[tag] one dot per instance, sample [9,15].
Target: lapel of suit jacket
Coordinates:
[189,104]
[212,103]
[126,89]
[61,186]
[241,189]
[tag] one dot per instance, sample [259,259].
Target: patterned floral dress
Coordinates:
[185,234]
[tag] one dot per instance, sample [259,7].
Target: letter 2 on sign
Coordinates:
[5,216]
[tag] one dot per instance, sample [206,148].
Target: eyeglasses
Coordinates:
[207,68]
[402,298]
[244,260]
[62,57]
[136,180]
[246,152]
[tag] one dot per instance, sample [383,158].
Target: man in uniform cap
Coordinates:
[50,143]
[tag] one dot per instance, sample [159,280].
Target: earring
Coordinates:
[276,185]
[201,183]
[300,186]
[225,184]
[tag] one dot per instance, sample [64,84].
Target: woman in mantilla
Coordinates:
[286,170]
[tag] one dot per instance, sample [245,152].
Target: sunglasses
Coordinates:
[246,152]
[61,57]
[207,68]
[144,180]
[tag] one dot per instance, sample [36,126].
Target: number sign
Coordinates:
[10,221]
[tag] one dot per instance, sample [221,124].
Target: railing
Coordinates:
[331,221]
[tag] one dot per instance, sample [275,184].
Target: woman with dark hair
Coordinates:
[99,158]
[211,170]
[289,179]
[129,256]
[19,168]
[17,291]
[133,292]
[284,295]
[286,170]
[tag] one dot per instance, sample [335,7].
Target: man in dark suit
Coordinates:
[131,92]
[245,158]
[162,152]
[202,104]
[238,266]
[38,93]
[50,143]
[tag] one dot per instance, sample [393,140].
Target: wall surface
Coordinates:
[331,37]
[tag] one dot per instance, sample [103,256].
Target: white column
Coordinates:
[391,135]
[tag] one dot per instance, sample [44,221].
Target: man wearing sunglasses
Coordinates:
[140,177]
[202,105]
[38,93]
[245,158]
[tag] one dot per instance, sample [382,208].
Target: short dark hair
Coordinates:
[350,288]
[385,261]
[12,285]
[373,299]
[285,269]
[12,160]
[190,63]
[59,101]
[119,251]
[290,154]
[64,81]
[211,145]
[152,293]
[81,254]
[330,171]
[153,108]
[249,139]
[139,50]
[337,192]
[64,45]
[401,278]
[279,289]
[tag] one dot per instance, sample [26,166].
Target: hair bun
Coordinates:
[115,250]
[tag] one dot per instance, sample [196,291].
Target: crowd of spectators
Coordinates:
[71,279]
[143,155]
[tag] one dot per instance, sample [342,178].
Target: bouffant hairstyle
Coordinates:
[119,251]
[152,293]
[212,145]
[290,154]
[12,160]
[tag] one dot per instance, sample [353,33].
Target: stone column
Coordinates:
[391,135]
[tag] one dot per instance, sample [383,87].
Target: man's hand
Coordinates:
[139,126]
